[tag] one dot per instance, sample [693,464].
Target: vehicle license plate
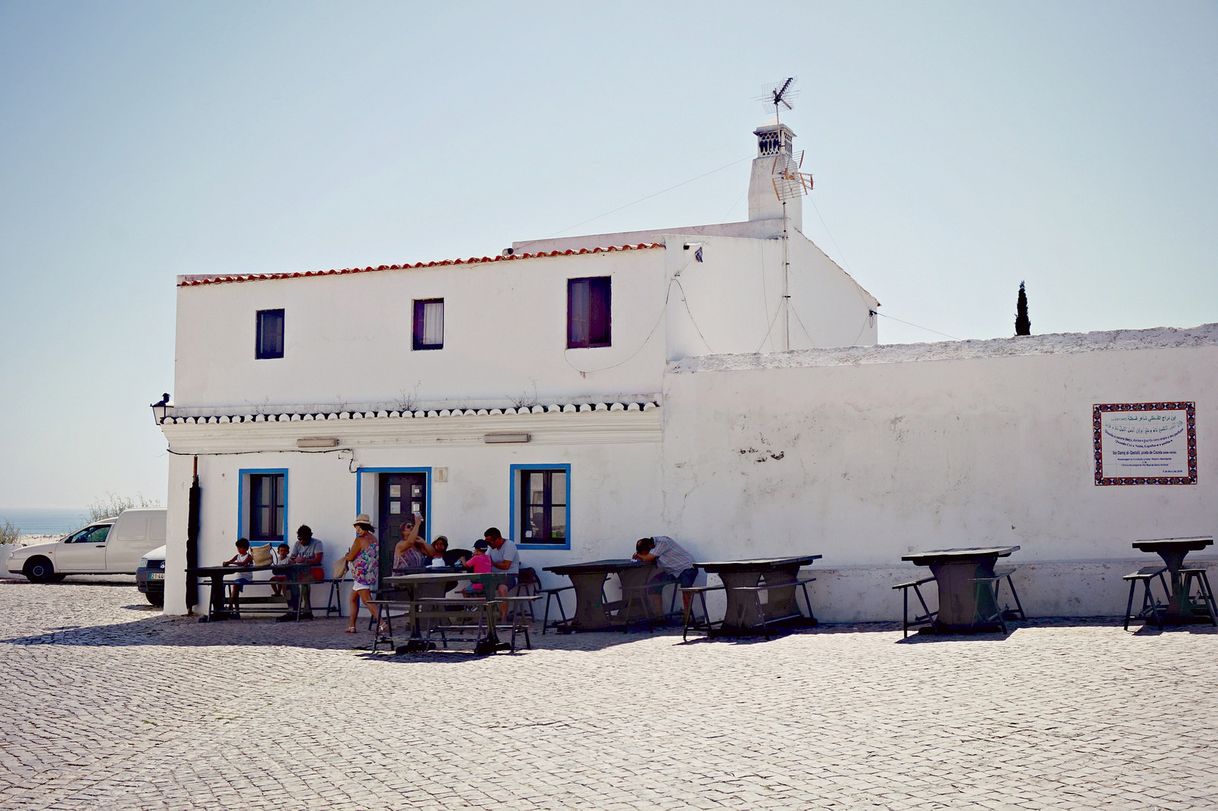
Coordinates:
[156,575]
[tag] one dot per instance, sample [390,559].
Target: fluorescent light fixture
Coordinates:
[317,442]
[493,439]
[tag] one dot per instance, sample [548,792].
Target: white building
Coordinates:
[582,392]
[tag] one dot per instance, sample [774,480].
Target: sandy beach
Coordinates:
[27,540]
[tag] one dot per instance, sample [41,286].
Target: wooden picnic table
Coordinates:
[592,613]
[962,600]
[218,610]
[422,594]
[744,582]
[1180,609]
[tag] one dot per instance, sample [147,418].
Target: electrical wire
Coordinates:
[247,453]
[692,320]
[654,194]
[825,225]
[915,325]
[807,334]
[769,329]
[842,254]
[659,318]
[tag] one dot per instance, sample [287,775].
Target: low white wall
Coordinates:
[867,461]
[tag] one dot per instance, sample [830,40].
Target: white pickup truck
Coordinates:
[110,546]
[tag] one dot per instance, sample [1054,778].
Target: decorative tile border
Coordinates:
[1097,433]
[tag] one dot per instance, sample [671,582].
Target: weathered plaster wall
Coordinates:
[862,460]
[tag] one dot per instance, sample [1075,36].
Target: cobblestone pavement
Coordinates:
[105,703]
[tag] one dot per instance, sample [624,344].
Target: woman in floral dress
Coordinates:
[362,559]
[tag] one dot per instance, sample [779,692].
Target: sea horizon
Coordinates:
[45,520]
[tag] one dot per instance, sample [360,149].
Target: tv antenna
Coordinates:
[789,184]
[785,176]
[778,94]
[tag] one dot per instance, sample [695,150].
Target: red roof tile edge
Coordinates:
[473,260]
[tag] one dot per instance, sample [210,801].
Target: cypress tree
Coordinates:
[1023,326]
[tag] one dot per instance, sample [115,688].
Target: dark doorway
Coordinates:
[401,495]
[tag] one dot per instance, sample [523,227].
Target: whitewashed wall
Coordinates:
[862,460]
[614,459]
[730,302]
[348,338]
[831,306]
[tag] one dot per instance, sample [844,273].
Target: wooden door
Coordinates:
[401,495]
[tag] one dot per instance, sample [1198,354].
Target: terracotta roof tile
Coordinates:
[194,281]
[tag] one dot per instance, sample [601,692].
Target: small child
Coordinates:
[242,560]
[280,558]
[480,563]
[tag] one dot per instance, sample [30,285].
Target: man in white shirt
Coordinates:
[505,558]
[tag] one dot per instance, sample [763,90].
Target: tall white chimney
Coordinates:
[772,139]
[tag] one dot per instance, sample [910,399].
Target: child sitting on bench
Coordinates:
[479,563]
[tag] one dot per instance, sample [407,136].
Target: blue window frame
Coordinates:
[541,506]
[262,504]
[270,335]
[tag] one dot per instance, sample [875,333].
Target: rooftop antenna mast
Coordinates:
[788,183]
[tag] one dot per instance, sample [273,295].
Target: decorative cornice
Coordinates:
[382,414]
[605,423]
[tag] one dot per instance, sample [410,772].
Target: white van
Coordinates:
[110,546]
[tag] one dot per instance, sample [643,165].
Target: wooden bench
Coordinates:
[764,590]
[277,603]
[470,619]
[707,625]
[994,584]
[1197,575]
[925,618]
[1151,608]
[639,597]
[553,594]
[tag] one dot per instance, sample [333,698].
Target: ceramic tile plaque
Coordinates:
[1145,443]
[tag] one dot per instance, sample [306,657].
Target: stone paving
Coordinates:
[105,703]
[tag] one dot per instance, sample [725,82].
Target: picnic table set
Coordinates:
[421,610]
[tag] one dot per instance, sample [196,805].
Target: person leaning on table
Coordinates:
[676,565]
[307,551]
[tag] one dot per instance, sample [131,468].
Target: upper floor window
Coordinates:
[429,323]
[588,309]
[270,334]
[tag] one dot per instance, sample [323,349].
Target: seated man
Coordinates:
[504,558]
[676,566]
[305,559]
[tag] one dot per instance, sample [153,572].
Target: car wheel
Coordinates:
[39,570]
[155,599]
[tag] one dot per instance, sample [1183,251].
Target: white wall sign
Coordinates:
[1145,443]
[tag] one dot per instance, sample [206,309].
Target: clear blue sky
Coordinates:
[957,147]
